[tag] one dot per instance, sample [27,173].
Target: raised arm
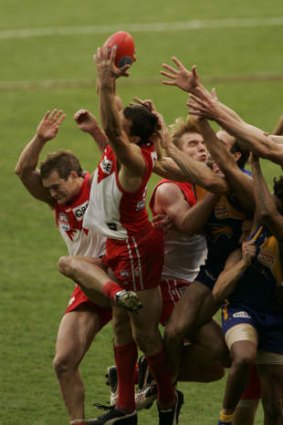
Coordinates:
[127,153]
[197,172]
[278,129]
[249,136]
[87,122]
[28,160]
[241,184]
[266,204]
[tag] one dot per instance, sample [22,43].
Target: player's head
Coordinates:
[61,173]
[187,137]
[139,123]
[278,192]
[241,155]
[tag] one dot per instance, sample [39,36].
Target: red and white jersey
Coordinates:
[112,211]
[69,220]
[183,254]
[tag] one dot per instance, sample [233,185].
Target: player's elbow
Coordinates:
[216,186]
[21,171]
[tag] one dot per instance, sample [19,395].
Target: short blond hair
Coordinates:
[182,126]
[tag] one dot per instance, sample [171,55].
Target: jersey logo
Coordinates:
[63,221]
[242,315]
[80,210]
[106,165]
[266,259]
[112,226]
[222,211]
[140,205]
[153,155]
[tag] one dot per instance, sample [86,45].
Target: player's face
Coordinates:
[193,145]
[61,190]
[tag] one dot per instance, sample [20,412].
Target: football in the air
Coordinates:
[125,53]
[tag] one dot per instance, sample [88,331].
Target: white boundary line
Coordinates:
[81,84]
[154,27]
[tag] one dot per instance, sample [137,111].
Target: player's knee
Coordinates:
[146,341]
[174,332]
[64,265]
[244,360]
[62,365]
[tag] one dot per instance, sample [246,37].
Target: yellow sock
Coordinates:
[225,417]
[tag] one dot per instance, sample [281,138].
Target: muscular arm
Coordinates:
[26,166]
[241,184]
[128,154]
[227,280]
[169,200]
[266,206]
[197,172]
[88,123]
[251,137]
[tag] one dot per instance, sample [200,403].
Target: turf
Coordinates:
[242,60]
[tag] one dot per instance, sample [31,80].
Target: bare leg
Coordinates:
[90,274]
[195,308]
[147,335]
[202,360]
[243,354]
[245,412]
[271,382]
[75,334]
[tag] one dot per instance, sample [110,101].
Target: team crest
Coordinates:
[106,165]
[63,222]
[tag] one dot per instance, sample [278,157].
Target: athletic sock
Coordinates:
[110,289]
[126,358]
[78,422]
[224,418]
[160,372]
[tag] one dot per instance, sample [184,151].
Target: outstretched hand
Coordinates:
[105,64]
[180,77]
[50,124]
[86,121]
[205,107]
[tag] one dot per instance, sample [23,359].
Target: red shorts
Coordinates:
[252,390]
[136,261]
[172,290]
[78,298]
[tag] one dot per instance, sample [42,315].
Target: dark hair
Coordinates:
[63,161]
[143,122]
[245,153]
[278,188]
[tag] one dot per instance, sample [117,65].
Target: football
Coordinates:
[125,53]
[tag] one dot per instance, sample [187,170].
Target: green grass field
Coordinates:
[46,62]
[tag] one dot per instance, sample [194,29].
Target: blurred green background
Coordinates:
[46,53]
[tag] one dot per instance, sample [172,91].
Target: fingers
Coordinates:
[79,113]
[56,116]
[178,62]
[169,68]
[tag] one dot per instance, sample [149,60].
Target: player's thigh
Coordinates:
[148,317]
[76,332]
[185,313]
[271,380]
